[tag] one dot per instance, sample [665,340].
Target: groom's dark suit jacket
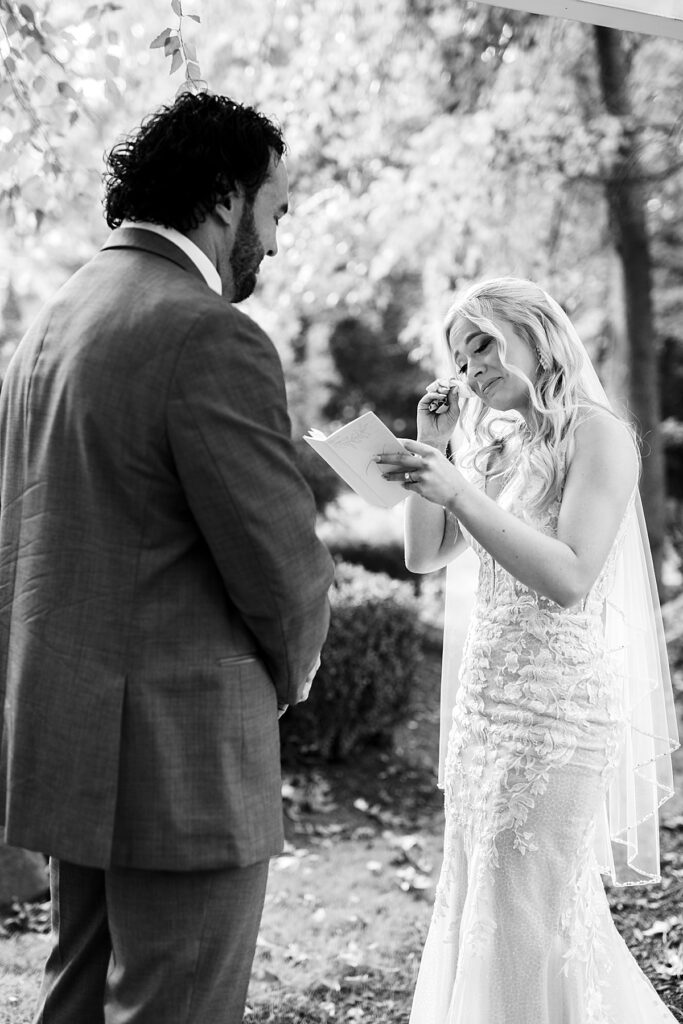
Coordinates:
[161,584]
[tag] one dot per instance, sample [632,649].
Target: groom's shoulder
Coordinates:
[219,321]
[223,348]
[159,294]
[229,336]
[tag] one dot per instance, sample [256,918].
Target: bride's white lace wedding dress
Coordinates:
[521,931]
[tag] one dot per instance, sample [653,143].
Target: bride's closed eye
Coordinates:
[483,345]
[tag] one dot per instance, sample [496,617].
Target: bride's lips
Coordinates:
[487,387]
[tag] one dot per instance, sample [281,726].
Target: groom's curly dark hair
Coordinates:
[185,158]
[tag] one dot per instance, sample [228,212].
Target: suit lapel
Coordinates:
[149,241]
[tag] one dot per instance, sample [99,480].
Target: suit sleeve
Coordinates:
[230,437]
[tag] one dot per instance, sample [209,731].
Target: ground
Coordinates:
[349,901]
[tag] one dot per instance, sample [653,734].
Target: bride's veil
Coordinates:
[627,838]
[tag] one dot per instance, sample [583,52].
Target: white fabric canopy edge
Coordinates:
[612,14]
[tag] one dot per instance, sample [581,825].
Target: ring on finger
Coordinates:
[408,478]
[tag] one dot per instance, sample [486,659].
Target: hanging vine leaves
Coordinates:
[171,46]
[182,51]
[161,39]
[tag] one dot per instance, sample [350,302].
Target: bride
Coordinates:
[561,720]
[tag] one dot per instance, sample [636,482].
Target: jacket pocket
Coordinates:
[237,659]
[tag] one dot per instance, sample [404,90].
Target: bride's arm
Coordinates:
[602,475]
[432,538]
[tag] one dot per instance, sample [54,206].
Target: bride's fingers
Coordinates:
[419,448]
[402,460]
[442,385]
[400,477]
[437,389]
[437,402]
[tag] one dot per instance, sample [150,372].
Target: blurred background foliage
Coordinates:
[431,142]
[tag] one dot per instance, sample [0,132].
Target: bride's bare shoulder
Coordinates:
[605,444]
[597,425]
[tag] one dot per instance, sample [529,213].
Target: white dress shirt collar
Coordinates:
[192,251]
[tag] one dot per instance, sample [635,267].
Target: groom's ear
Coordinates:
[225,211]
[229,208]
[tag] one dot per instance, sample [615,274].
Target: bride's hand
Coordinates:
[437,413]
[423,469]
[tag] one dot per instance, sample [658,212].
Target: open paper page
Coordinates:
[350,451]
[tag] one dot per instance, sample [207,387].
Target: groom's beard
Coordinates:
[246,255]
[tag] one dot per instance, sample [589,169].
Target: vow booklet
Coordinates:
[350,450]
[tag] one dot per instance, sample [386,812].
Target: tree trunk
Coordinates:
[626,202]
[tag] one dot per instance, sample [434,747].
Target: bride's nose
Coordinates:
[475,368]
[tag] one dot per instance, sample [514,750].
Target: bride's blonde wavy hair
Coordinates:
[557,396]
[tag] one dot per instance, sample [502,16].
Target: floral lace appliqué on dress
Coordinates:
[521,931]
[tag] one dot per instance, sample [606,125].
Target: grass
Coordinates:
[357,934]
[21,962]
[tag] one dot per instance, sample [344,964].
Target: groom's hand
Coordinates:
[305,689]
[308,681]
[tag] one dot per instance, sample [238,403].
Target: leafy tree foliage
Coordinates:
[39,104]
[61,66]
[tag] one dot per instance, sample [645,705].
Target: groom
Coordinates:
[162,590]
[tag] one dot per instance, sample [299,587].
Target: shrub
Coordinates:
[387,557]
[364,687]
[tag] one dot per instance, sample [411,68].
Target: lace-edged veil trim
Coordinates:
[627,838]
[643,777]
